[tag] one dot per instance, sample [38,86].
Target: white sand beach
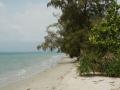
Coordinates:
[64,77]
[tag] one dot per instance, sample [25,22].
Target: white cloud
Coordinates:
[1,4]
[34,20]
[27,25]
[118,1]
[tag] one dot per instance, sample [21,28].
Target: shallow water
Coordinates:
[18,66]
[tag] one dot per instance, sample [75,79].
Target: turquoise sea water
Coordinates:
[18,66]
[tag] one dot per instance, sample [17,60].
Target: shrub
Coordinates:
[105,35]
[113,68]
[89,64]
[93,64]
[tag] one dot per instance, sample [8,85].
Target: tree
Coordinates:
[106,34]
[75,23]
[105,39]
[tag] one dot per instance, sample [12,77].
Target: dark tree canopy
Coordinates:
[105,37]
[74,25]
[90,31]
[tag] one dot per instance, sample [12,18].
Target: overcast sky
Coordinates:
[23,24]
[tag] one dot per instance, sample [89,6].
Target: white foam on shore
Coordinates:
[28,72]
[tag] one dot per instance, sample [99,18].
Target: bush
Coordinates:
[113,68]
[89,64]
[84,66]
[94,64]
[105,35]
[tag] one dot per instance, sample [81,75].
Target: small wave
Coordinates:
[22,72]
[32,69]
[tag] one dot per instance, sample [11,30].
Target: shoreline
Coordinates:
[43,80]
[64,77]
[25,68]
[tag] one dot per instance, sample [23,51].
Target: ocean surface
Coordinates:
[18,66]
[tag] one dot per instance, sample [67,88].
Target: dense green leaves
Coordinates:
[106,34]
[90,31]
[74,24]
[105,38]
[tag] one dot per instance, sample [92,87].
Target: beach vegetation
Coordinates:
[90,31]
[74,24]
[104,37]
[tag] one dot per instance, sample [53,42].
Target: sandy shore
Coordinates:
[64,77]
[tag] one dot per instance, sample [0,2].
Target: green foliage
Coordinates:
[105,39]
[89,30]
[74,24]
[113,68]
[93,64]
[106,34]
[88,64]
